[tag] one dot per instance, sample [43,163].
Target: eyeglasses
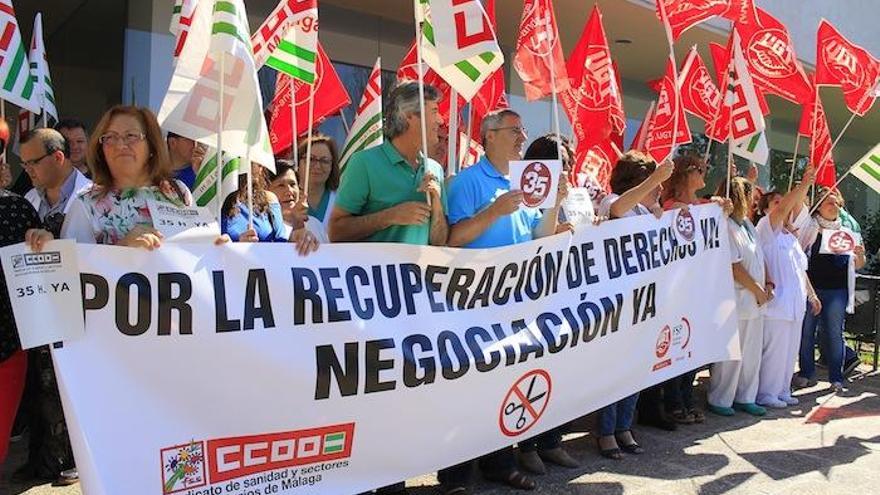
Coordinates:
[517,129]
[129,138]
[324,162]
[35,161]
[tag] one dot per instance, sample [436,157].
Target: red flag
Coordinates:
[641,136]
[769,51]
[538,43]
[588,102]
[593,166]
[684,14]
[330,96]
[741,12]
[409,71]
[618,115]
[492,95]
[805,127]
[720,58]
[841,63]
[655,84]
[699,94]
[820,146]
[660,141]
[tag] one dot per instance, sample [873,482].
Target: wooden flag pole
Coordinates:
[345,122]
[467,139]
[250,188]
[308,167]
[708,151]
[555,99]
[219,160]
[797,142]
[294,149]
[452,153]
[421,70]
[675,84]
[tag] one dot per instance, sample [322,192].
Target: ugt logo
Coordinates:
[769,53]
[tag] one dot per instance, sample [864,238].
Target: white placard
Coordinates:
[578,206]
[538,180]
[839,241]
[685,223]
[48,283]
[186,224]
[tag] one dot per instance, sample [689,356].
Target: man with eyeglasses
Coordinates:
[485,211]
[55,179]
[56,183]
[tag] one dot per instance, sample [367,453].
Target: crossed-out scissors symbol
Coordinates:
[526,402]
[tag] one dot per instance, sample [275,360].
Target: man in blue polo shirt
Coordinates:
[485,212]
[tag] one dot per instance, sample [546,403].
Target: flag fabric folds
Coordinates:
[39,71]
[491,96]
[16,85]
[218,37]
[820,145]
[684,14]
[366,130]
[740,105]
[330,97]
[462,30]
[181,20]
[205,186]
[641,136]
[841,63]
[867,169]
[537,48]
[287,40]
[699,94]
[663,133]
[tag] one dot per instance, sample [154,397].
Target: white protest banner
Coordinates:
[186,224]
[245,367]
[538,180]
[838,242]
[45,292]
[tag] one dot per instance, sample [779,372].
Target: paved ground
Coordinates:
[827,445]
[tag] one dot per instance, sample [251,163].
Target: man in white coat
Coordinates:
[56,181]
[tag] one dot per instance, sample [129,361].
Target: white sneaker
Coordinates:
[775,404]
[791,401]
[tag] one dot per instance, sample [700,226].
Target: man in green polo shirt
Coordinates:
[383,195]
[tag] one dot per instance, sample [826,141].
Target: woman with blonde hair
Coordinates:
[734,384]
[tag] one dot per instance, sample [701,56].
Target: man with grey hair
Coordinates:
[390,193]
[56,182]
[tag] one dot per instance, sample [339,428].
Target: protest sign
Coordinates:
[538,181]
[838,242]
[246,367]
[183,224]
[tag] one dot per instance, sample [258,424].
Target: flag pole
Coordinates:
[293,134]
[675,84]
[467,139]
[345,121]
[421,70]
[797,142]
[708,151]
[250,188]
[306,171]
[3,116]
[219,160]
[452,155]
[555,99]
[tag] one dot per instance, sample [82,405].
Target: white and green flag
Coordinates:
[205,187]
[867,169]
[288,39]
[754,149]
[39,70]
[218,37]
[16,85]
[366,131]
[468,73]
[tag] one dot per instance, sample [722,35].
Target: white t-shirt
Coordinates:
[314,226]
[787,265]
[607,201]
[744,249]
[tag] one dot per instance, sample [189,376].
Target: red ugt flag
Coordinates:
[769,51]
[537,48]
[330,96]
[660,140]
[841,63]
[720,57]
[684,14]
[409,71]
[820,145]
[699,94]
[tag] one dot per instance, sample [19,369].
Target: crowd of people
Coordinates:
[97,188]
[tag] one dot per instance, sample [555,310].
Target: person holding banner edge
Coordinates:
[381,197]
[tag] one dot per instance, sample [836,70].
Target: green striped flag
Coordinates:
[288,40]
[867,169]
[754,149]
[39,70]
[16,85]
[334,442]
[468,74]
[366,131]
[205,187]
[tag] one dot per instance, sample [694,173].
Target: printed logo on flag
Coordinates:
[595,91]
[664,340]
[525,402]
[769,53]
[540,34]
[703,92]
[535,184]
[844,66]
[203,109]
[199,463]
[467,32]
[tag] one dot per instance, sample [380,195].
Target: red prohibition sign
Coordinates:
[524,403]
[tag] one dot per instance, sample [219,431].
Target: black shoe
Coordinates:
[850,366]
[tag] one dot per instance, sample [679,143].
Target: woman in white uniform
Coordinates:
[734,384]
[784,314]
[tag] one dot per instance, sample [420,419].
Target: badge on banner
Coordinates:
[45,292]
[841,241]
[538,180]
[186,224]
[684,224]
